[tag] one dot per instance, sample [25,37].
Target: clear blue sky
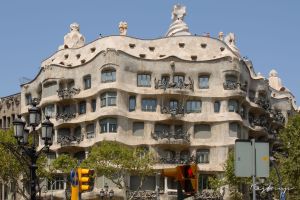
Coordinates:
[267,31]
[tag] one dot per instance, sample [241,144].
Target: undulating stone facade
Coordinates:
[183,97]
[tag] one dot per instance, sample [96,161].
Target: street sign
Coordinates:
[74,177]
[251,159]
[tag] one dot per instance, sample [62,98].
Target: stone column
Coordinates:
[83,130]
[86,153]
[138,102]
[89,105]
[166,185]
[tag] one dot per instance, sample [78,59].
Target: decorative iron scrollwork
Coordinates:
[69,140]
[67,92]
[263,102]
[144,194]
[278,116]
[259,121]
[165,84]
[177,135]
[209,194]
[65,116]
[179,110]
[231,85]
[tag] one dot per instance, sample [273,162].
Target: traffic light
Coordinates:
[85,179]
[187,177]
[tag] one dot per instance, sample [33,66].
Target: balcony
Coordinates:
[277,117]
[69,140]
[176,160]
[263,102]
[65,116]
[228,85]
[173,110]
[171,137]
[67,92]
[261,121]
[166,84]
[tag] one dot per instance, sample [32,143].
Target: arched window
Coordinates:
[108,75]
[193,106]
[87,81]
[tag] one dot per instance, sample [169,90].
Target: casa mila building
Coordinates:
[183,97]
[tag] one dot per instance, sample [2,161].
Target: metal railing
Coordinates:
[69,140]
[170,135]
[67,92]
[166,84]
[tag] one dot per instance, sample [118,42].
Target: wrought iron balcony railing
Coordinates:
[259,121]
[177,160]
[65,116]
[176,135]
[143,194]
[69,140]
[67,92]
[263,102]
[278,116]
[179,110]
[231,85]
[165,84]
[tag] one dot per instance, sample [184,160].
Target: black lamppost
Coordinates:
[105,193]
[22,134]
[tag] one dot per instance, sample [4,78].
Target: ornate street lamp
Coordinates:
[30,151]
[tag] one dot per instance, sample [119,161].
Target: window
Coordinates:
[193,106]
[57,183]
[203,81]
[138,128]
[63,132]
[77,132]
[173,104]
[108,99]
[28,99]
[202,131]
[184,156]
[233,106]
[108,125]
[149,105]
[82,107]
[243,112]
[217,106]
[251,95]
[51,156]
[159,129]
[165,79]
[80,156]
[132,103]
[203,182]
[90,131]
[94,105]
[234,130]
[49,110]
[49,89]
[178,79]
[202,156]
[144,80]
[108,75]
[231,79]
[87,82]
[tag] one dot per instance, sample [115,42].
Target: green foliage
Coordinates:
[115,161]
[289,162]
[64,163]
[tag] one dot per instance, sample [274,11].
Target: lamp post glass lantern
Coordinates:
[105,193]
[34,115]
[30,151]
[19,125]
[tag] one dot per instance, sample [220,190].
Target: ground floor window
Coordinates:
[203,182]
[57,183]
